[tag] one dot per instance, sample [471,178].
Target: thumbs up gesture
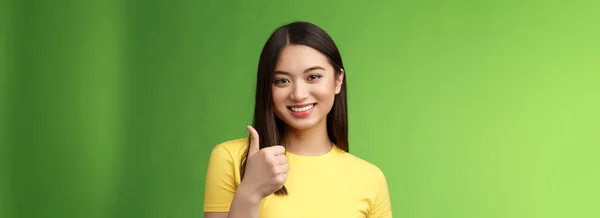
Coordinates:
[266,169]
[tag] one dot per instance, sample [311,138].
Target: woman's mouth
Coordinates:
[301,110]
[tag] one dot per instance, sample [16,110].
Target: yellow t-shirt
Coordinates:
[336,184]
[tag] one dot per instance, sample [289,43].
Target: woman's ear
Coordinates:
[338,82]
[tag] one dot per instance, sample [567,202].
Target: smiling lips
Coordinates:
[301,110]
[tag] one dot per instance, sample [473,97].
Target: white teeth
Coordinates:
[302,109]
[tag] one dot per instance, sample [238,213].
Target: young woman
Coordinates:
[295,162]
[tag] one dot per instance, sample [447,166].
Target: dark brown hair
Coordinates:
[269,127]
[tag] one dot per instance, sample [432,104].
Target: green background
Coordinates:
[110,108]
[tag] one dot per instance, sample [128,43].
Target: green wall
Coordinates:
[471,108]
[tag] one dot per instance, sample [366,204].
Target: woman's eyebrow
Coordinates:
[305,71]
[314,68]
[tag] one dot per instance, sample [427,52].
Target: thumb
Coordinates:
[254,148]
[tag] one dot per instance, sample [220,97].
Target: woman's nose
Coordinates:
[300,92]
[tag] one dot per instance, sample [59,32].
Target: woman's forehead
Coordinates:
[298,58]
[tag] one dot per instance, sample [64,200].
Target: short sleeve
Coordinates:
[220,183]
[381,207]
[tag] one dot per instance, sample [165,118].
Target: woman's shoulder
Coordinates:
[233,148]
[365,167]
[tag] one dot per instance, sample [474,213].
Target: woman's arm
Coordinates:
[244,205]
[215,215]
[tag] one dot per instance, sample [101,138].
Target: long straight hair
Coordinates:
[269,127]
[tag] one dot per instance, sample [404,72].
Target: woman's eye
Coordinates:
[279,81]
[312,77]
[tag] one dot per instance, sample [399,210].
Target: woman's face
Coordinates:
[304,87]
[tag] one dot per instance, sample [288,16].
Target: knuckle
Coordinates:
[273,162]
[264,153]
[280,180]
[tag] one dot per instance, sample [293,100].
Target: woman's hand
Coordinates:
[266,169]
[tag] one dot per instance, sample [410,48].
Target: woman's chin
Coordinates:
[302,124]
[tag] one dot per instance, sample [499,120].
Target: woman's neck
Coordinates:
[307,142]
